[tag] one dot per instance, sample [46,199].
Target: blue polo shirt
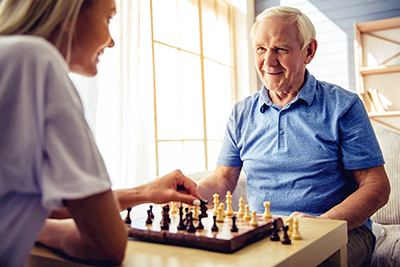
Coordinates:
[300,157]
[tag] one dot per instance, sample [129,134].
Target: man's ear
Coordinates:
[311,49]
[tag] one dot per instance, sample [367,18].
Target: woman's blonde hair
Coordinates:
[54,20]
[306,30]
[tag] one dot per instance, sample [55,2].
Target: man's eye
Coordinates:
[260,49]
[281,50]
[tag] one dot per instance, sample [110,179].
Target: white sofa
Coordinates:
[386,221]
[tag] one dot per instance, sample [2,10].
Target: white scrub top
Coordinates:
[47,152]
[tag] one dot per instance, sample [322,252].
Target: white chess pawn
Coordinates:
[289,222]
[296,234]
[229,211]
[221,206]
[220,215]
[240,212]
[267,214]
[247,215]
[253,221]
[174,209]
[196,212]
[216,203]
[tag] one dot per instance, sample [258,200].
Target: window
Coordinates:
[164,92]
[193,81]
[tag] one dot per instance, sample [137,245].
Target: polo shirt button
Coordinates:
[283,112]
[281,132]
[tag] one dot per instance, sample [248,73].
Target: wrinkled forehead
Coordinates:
[276,30]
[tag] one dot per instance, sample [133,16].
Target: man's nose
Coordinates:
[270,59]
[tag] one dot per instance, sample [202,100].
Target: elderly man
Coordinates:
[306,146]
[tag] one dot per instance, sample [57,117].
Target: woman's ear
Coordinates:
[311,49]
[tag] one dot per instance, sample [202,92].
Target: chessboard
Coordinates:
[227,235]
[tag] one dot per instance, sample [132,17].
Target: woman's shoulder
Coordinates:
[23,48]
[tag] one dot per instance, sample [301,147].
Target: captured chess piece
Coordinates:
[296,234]
[285,238]
[128,216]
[267,214]
[234,228]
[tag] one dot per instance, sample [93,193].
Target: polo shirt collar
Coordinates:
[307,92]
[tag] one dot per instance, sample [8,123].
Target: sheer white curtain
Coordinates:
[119,100]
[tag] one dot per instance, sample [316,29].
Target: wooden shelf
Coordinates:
[379,70]
[384,114]
[367,37]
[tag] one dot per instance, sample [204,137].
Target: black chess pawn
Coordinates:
[190,225]
[214,228]
[203,208]
[285,239]
[151,212]
[234,227]
[200,226]
[149,217]
[128,216]
[181,225]
[275,236]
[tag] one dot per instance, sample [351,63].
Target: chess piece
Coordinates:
[181,225]
[128,216]
[240,212]
[190,226]
[149,219]
[200,226]
[247,215]
[229,211]
[220,216]
[151,211]
[174,209]
[285,238]
[221,205]
[267,214]
[296,234]
[214,228]
[165,218]
[289,223]
[203,208]
[253,221]
[234,228]
[274,235]
[196,211]
[216,203]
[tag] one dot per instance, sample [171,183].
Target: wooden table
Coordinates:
[322,239]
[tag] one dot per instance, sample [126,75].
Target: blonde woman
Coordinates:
[48,158]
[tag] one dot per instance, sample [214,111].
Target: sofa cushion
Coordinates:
[389,141]
[387,249]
